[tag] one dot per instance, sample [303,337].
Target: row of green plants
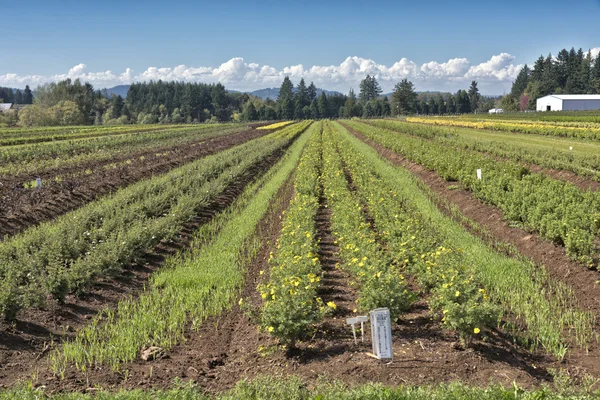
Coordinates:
[587,165]
[26,136]
[375,274]
[538,128]
[558,210]
[291,305]
[295,388]
[41,158]
[193,285]
[459,269]
[69,253]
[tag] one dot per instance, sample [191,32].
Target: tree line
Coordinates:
[570,72]
[16,96]
[71,102]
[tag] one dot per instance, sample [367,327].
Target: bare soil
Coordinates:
[21,208]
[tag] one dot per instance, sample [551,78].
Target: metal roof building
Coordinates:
[568,102]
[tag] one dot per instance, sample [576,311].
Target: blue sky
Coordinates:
[44,40]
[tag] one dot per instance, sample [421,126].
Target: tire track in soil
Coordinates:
[25,342]
[23,208]
[542,252]
[582,182]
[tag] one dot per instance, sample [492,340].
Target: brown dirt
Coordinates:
[28,340]
[580,181]
[22,208]
[542,252]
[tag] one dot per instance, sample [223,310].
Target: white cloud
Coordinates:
[494,75]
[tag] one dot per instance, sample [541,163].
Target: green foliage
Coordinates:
[420,231]
[291,306]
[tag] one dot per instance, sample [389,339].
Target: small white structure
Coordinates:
[5,106]
[496,111]
[568,102]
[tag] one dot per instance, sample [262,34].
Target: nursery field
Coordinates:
[222,261]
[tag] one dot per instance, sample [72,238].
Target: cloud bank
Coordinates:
[494,76]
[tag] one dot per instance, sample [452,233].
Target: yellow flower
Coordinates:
[476,330]
[270,329]
[457,293]
[331,304]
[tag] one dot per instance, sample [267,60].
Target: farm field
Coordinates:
[228,257]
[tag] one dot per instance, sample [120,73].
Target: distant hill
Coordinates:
[271,93]
[118,90]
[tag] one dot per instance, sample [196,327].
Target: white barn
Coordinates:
[568,102]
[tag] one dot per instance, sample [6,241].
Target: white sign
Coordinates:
[353,321]
[381,333]
[479,174]
[38,182]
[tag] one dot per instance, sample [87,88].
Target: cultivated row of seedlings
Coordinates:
[558,210]
[193,285]
[38,158]
[69,253]
[291,305]
[549,153]
[472,286]
[11,137]
[587,131]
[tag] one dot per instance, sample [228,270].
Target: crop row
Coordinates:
[67,254]
[25,136]
[43,157]
[192,286]
[535,128]
[543,151]
[378,279]
[291,305]
[276,125]
[557,210]
[444,257]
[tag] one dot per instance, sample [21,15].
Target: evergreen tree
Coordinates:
[474,97]
[463,102]
[323,106]
[314,109]
[286,91]
[520,84]
[451,105]
[27,95]
[441,104]
[18,97]
[404,98]
[311,93]
[369,89]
